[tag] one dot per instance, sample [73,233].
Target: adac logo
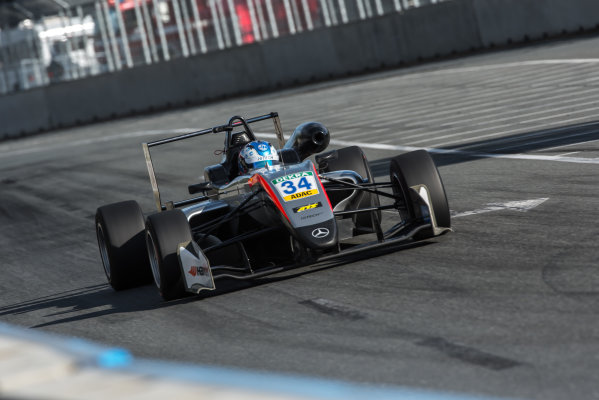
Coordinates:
[307,207]
[194,271]
[299,195]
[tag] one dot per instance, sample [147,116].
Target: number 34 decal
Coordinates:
[289,186]
[296,186]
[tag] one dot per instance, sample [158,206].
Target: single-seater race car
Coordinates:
[263,211]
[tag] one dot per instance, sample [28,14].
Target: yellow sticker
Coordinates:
[301,195]
[308,207]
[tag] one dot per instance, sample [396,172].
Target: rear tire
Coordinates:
[120,231]
[353,159]
[164,232]
[418,168]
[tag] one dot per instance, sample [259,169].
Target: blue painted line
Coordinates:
[316,388]
[90,354]
[114,358]
[290,385]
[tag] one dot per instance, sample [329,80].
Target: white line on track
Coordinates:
[382,146]
[553,139]
[7,152]
[512,131]
[570,144]
[577,160]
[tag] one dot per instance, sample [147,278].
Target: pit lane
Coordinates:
[506,305]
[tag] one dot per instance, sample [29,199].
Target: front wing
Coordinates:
[199,275]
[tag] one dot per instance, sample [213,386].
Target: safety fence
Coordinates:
[88,38]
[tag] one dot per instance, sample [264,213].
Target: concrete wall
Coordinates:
[503,21]
[450,27]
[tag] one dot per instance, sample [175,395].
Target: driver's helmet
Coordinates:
[256,155]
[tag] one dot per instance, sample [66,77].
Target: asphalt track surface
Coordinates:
[506,305]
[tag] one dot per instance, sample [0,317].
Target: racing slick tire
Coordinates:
[164,232]
[352,158]
[120,231]
[418,168]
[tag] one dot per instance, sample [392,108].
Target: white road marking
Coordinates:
[6,151]
[520,205]
[513,131]
[552,139]
[567,154]
[382,146]
[570,144]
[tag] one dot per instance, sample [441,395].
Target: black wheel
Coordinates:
[164,232]
[120,231]
[353,159]
[418,168]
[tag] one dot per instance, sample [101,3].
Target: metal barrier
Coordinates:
[100,37]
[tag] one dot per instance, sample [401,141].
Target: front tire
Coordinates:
[352,158]
[120,231]
[164,232]
[418,168]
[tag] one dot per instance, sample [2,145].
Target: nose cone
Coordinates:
[318,236]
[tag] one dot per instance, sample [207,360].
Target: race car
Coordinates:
[263,211]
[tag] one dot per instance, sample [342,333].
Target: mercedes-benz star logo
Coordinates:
[319,233]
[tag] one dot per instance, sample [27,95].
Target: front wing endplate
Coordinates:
[424,194]
[195,268]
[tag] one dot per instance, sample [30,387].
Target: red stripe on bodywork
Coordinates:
[322,187]
[256,178]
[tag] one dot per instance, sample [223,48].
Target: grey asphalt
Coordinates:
[506,305]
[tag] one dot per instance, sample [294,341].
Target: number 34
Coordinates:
[290,188]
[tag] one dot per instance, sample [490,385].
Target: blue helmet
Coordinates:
[256,155]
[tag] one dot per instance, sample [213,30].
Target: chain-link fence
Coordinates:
[108,35]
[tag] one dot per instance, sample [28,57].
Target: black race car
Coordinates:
[248,225]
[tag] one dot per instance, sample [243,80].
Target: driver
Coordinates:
[256,155]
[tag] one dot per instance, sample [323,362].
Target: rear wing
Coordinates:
[227,128]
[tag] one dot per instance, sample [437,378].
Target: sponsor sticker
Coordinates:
[300,195]
[308,216]
[307,207]
[296,186]
[194,271]
[262,147]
